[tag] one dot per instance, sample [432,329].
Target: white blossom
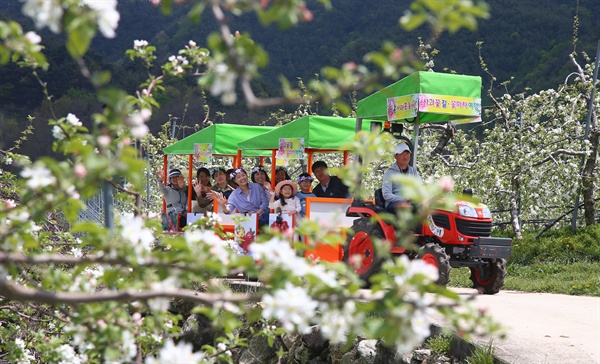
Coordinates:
[137,44]
[224,84]
[69,356]
[33,38]
[26,356]
[107,15]
[38,176]
[128,344]
[180,353]
[134,231]
[337,324]
[45,13]
[73,120]
[292,306]
[279,253]
[58,133]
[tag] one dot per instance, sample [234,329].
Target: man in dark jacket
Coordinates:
[329,186]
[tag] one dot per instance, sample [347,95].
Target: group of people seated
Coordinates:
[234,191]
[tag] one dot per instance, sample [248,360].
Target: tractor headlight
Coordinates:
[467,211]
[487,214]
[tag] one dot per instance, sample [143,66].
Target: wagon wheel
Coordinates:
[489,278]
[360,242]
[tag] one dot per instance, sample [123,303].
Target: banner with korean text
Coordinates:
[408,106]
[290,148]
[203,152]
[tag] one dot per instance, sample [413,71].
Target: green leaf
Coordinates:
[79,40]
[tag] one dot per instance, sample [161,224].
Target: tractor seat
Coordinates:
[379,200]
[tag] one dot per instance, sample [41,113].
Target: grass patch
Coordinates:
[558,262]
[482,355]
[440,344]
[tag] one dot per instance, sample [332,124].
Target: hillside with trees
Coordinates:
[525,40]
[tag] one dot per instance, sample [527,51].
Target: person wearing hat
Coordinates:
[329,186]
[287,203]
[304,183]
[175,194]
[392,191]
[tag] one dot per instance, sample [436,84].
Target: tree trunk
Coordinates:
[514,207]
[587,180]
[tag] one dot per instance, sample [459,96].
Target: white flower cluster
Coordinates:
[139,44]
[38,176]
[69,356]
[26,356]
[49,13]
[336,323]
[106,14]
[45,13]
[224,84]
[291,306]
[279,253]
[70,120]
[137,123]
[178,62]
[135,231]
[161,304]
[180,353]
[217,247]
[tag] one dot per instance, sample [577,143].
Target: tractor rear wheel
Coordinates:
[489,278]
[360,243]
[435,255]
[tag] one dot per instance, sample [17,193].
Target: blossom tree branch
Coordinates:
[15,292]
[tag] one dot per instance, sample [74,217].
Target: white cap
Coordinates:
[400,148]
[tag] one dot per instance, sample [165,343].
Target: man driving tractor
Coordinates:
[392,191]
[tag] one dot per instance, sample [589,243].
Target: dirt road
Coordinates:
[544,328]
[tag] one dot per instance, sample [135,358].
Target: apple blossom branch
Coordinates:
[22,259]
[15,292]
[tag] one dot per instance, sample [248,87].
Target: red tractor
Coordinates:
[448,239]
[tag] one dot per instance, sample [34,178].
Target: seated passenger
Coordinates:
[287,203]
[175,194]
[392,191]
[249,198]
[329,186]
[201,187]
[281,174]
[221,184]
[305,182]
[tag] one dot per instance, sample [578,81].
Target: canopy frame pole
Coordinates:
[346,157]
[357,158]
[415,142]
[262,161]
[190,176]
[165,173]
[273,167]
[238,161]
[310,161]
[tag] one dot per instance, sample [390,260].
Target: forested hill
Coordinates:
[529,40]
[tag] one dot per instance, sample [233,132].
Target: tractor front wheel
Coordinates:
[489,278]
[359,251]
[435,255]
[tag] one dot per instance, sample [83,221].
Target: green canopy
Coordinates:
[223,137]
[428,97]
[318,132]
